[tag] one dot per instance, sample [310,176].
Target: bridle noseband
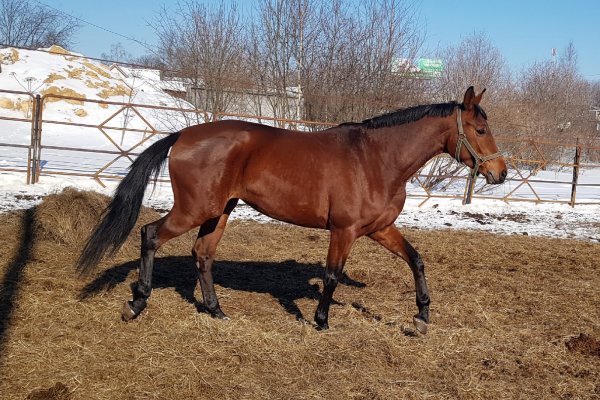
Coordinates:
[462,140]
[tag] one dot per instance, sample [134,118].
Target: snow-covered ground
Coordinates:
[124,128]
[520,218]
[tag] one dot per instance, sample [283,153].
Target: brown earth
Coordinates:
[512,316]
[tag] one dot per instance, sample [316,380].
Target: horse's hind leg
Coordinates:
[153,236]
[204,252]
[391,238]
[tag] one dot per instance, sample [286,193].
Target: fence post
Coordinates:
[575,172]
[35,139]
[30,151]
[469,189]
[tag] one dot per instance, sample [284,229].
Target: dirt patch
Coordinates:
[10,58]
[584,344]
[56,49]
[80,112]
[478,217]
[56,392]
[103,71]
[53,77]
[8,104]
[487,218]
[515,217]
[32,197]
[76,73]
[118,90]
[19,105]
[499,321]
[55,90]
[97,84]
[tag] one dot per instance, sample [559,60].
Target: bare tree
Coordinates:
[475,61]
[595,93]
[280,38]
[340,54]
[28,24]
[362,60]
[117,53]
[557,98]
[203,44]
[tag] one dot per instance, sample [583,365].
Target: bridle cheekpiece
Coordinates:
[462,141]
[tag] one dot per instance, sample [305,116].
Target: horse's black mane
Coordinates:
[412,114]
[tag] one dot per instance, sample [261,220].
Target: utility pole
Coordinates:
[301,15]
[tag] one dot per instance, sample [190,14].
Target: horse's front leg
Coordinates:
[391,238]
[340,244]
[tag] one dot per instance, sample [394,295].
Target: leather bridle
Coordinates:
[462,141]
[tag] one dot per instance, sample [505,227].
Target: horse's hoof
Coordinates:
[322,327]
[420,325]
[128,314]
[220,315]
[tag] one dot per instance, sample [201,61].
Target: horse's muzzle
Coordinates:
[496,178]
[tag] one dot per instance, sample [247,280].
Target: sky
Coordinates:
[524,31]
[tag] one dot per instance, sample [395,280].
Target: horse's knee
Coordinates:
[203,257]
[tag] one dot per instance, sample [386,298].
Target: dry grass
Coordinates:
[504,309]
[53,77]
[67,92]
[55,49]
[117,90]
[23,105]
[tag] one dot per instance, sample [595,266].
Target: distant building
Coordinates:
[251,102]
[246,102]
[136,78]
[596,111]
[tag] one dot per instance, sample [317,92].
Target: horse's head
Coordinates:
[473,143]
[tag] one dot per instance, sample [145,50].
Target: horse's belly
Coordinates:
[284,209]
[290,180]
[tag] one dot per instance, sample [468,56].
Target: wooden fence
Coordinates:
[530,161]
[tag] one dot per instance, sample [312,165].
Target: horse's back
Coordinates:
[272,169]
[307,179]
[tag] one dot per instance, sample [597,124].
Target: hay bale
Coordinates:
[69,216]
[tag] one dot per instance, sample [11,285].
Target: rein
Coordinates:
[462,140]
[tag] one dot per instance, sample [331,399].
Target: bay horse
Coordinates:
[350,180]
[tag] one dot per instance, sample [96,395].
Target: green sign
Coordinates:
[431,67]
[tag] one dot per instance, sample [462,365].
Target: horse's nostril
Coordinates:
[503,175]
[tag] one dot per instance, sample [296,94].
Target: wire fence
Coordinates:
[109,138]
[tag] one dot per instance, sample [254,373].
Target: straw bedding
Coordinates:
[512,316]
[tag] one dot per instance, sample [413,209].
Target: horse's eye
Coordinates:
[481,131]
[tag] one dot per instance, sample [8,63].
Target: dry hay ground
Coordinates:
[512,317]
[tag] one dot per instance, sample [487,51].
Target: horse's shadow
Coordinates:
[287,281]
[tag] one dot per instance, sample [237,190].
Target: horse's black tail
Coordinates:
[120,216]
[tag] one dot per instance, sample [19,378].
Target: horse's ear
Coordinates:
[469,100]
[479,96]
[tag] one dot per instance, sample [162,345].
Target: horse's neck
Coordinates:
[406,148]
